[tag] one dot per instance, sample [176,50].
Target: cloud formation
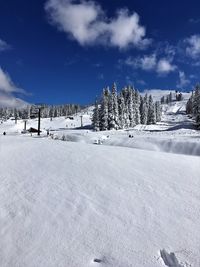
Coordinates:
[147,62]
[10,101]
[87,23]
[6,84]
[7,90]
[162,66]
[193,46]
[3,45]
[183,81]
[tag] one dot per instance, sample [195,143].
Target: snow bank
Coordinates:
[171,145]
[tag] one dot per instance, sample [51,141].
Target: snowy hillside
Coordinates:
[158,93]
[120,204]
[175,133]
[56,124]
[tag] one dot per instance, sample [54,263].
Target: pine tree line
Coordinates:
[124,110]
[31,111]
[193,105]
[170,97]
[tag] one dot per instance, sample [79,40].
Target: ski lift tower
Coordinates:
[39,108]
[25,121]
[81,120]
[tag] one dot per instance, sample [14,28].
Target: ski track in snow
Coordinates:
[171,260]
[75,204]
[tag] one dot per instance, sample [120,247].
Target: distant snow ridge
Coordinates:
[156,93]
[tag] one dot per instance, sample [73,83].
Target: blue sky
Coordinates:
[64,51]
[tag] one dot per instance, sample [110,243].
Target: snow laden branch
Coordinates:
[124,110]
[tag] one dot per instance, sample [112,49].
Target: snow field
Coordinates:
[66,204]
[121,204]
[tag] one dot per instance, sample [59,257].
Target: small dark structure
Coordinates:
[33,116]
[33,130]
[97,260]
[70,117]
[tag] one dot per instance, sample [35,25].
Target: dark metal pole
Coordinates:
[25,125]
[39,115]
[81,120]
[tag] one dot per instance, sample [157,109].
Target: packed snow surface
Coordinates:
[65,204]
[124,203]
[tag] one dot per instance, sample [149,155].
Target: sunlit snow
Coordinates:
[124,203]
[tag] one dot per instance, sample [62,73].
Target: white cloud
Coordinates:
[169,51]
[3,45]
[6,84]
[164,66]
[86,22]
[10,101]
[125,30]
[151,63]
[7,88]
[193,46]
[147,62]
[183,81]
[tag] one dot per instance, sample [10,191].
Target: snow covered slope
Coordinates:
[176,132]
[158,93]
[56,124]
[121,204]
[68,204]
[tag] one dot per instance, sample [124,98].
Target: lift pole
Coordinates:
[25,125]
[39,116]
[81,121]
